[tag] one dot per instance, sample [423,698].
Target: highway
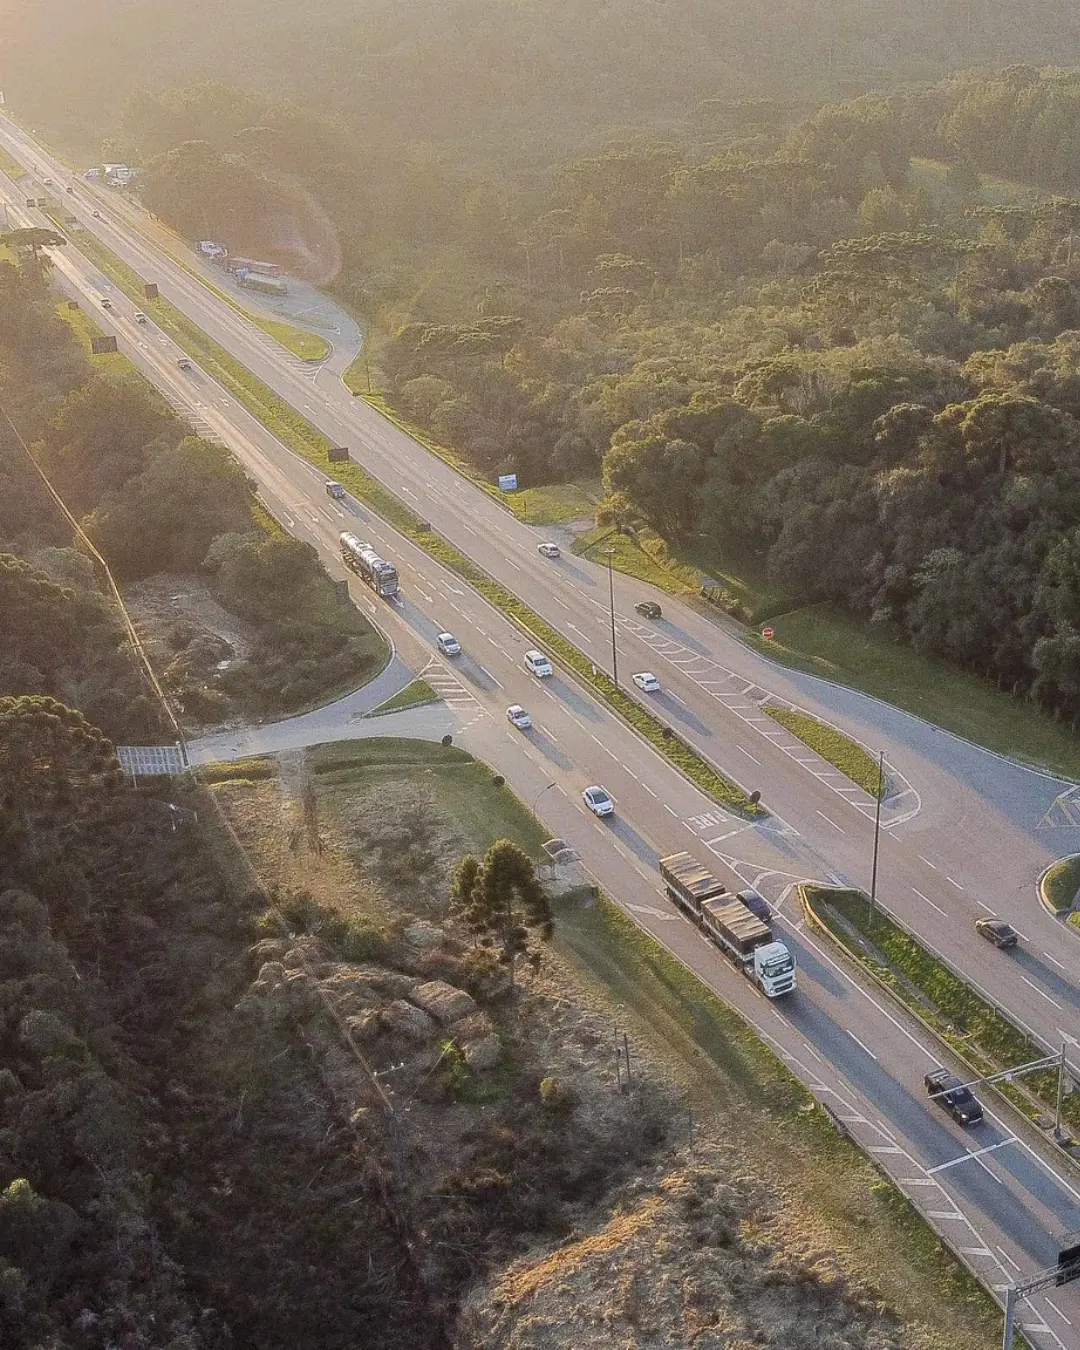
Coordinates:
[1003,1208]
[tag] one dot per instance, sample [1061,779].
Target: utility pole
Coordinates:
[1060,1093]
[611,605]
[877,827]
[1066,1270]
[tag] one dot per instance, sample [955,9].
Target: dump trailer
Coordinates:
[743,936]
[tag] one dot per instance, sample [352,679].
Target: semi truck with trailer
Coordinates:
[744,937]
[362,559]
[255,281]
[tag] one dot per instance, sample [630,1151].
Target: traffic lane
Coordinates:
[885,1063]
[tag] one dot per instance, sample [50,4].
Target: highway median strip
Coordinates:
[833,746]
[979,1034]
[298,433]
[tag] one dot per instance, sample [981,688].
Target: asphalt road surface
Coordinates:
[964,831]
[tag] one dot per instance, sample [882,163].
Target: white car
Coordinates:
[448,644]
[518,717]
[538,664]
[599,801]
[647,682]
[334,490]
[549,550]
[140,317]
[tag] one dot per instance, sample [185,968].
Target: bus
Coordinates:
[362,559]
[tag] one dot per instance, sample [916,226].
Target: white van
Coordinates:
[538,664]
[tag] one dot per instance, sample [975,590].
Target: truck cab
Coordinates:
[774,969]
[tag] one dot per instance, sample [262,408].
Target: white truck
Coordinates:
[745,938]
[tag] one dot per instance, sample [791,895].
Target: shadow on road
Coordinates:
[677,711]
[1040,973]
[573,700]
[634,841]
[680,635]
[548,747]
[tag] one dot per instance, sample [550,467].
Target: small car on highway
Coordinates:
[548,549]
[997,931]
[97,215]
[448,644]
[518,717]
[648,609]
[139,316]
[538,664]
[184,363]
[70,189]
[334,490]
[106,303]
[952,1096]
[599,801]
[647,682]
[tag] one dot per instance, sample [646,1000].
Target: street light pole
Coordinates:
[545,788]
[877,827]
[611,605]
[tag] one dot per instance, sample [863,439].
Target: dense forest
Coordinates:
[840,349]
[153,499]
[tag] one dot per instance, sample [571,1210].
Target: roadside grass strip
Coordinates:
[298,433]
[414,695]
[11,168]
[833,746]
[1059,884]
[980,1035]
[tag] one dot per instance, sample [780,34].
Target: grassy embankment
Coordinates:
[833,746]
[979,1035]
[298,433]
[735,1082]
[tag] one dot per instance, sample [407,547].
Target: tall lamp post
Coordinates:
[545,788]
[611,606]
[877,826]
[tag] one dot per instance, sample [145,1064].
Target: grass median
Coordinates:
[298,433]
[833,746]
[414,695]
[980,1036]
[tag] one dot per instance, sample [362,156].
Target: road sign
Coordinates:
[508,482]
[766,632]
[336,453]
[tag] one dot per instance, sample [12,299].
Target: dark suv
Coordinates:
[949,1093]
[648,609]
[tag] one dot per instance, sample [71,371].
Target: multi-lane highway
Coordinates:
[960,827]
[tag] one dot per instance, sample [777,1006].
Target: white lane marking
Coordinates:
[1046,996]
[954,883]
[490,676]
[982,906]
[928,862]
[930,902]
[1060,965]
[748,754]
[1050,1302]
[648,789]
[832,822]
[668,808]
[970,1156]
[866,1049]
